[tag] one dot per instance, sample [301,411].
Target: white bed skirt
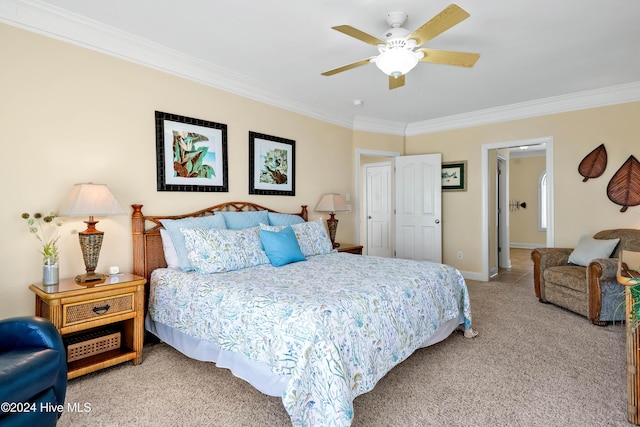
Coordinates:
[255,373]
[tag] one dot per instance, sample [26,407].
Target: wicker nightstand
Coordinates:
[351,248]
[101,326]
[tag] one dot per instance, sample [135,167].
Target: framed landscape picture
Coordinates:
[191,154]
[272,165]
[454,176]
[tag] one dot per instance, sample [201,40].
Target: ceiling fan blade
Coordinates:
[440,23]
[460,59]
[396,82]
[348,67]
[360,35]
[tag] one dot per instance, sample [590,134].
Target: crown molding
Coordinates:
[370,124]
[44,19]
[62,25]
[558,104]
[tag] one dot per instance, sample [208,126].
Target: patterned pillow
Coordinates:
[214,250]
[242,220]
[173,226]
[312,237]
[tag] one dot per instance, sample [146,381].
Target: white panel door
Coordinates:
[418,205]
[379,209]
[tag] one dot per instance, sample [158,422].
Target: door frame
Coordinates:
[503,259]
[358,171]
[486,179]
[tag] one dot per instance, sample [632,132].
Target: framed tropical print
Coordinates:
[191,154]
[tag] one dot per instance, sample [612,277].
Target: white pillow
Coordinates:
[212,250]
[589,248]
[170,253]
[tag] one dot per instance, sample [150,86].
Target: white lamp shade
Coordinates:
[331,203]
[90,200]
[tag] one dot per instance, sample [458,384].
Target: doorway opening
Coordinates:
[489,236]
[377,206]
[502,249]
[361,158]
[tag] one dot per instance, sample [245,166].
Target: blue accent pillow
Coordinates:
[281,246]
[173,226]
[284,219]
[242,220]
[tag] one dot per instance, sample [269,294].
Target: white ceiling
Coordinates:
[275,50]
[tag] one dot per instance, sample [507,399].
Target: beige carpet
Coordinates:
[531,365]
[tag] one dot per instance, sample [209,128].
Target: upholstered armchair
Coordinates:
[591,289]
[33,372]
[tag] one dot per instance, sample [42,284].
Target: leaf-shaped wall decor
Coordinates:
[594,164]
[624,187]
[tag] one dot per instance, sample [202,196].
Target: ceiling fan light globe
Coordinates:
[397,62]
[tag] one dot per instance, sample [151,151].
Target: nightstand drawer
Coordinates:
[102,307]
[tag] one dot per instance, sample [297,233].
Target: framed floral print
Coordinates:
[272,165]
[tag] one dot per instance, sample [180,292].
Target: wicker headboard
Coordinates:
[147,244]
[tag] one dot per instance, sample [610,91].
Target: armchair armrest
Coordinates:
[603,269]
[29,331]
[38,333]
[599,270]
[544,258]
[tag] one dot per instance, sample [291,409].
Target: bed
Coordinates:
[316,331]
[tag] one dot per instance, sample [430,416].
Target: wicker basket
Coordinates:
[91,343]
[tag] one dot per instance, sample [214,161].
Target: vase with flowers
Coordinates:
[634,290]
[45,229]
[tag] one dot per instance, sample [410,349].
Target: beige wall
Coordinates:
[580,208]
[524,178]
[73,115]
[378,141]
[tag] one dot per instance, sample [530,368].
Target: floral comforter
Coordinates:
[336,323]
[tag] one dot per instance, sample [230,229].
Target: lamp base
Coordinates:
[332,225]
[90,279]
[90,244]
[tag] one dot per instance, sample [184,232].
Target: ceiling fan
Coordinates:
[399,54]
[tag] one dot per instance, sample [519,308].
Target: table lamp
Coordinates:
[332,203]
[90,200]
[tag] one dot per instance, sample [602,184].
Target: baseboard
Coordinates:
[526,245]
[493,271]
[471,275]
